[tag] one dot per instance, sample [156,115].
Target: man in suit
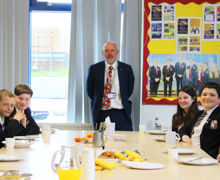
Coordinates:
[201,79]
[168,71]
[192,70]
[204,129]
[109,85]
[155,75]
[187,79]
[180,68]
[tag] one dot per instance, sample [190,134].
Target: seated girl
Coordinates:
[187,108]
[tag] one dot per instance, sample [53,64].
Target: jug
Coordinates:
[68,166]
[98,139]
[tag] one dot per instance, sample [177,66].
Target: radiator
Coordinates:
[69,126]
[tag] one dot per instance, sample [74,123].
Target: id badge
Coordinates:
[112,95]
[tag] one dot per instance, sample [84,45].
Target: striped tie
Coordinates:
[201,117]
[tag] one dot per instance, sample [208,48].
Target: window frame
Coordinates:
[35,6]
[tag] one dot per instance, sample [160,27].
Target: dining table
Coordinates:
[36,159]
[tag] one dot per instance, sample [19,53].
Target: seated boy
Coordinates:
[8,128]
[204,129]
[23,94]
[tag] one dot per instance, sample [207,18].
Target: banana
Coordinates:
[120,156]
[132,154]
[105,164]
[98,168]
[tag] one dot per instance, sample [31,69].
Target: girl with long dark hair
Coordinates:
[187,108]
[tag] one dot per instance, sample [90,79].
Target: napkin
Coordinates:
[110,127]
[107,120]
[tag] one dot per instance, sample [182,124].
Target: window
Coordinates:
[50,22]
[49,58]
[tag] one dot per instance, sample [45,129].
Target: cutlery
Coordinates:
[195,159]
[173,147]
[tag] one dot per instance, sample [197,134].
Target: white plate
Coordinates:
[163,138]
[182,150]
[157,132]
[142,165]
[119,137]
[21,143]
[198,162]
[9,158]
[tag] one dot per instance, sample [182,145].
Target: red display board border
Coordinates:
[146,52]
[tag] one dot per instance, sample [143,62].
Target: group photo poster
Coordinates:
[181,47]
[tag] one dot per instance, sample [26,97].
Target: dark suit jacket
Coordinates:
[12,128]
[204,78]
[168,74]
[194,68]
[187,82]
[193,74]
[210,137]
[153,74]
[32,127]
[95,87]
[179,70]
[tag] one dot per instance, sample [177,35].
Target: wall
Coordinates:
[163,112]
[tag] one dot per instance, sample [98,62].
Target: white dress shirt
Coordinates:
[115,88]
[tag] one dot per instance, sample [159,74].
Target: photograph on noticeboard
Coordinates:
[168,31]
[209,13]
[194,44]
[209,31]
[156,13]
[195,26]
[182,44]
[169,12]
[156,30]
[168,73]
[182,26]
[217,31]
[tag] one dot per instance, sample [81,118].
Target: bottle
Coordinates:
[157,126]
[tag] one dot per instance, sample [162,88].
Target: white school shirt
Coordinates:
[2,122]
[18,110]
[115,103]
[198,130]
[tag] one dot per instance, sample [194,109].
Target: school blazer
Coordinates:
[210,135]
[32,127]
[12,128]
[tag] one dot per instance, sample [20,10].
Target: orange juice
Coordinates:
[69,174]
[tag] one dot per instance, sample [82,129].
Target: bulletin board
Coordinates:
[179,33]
